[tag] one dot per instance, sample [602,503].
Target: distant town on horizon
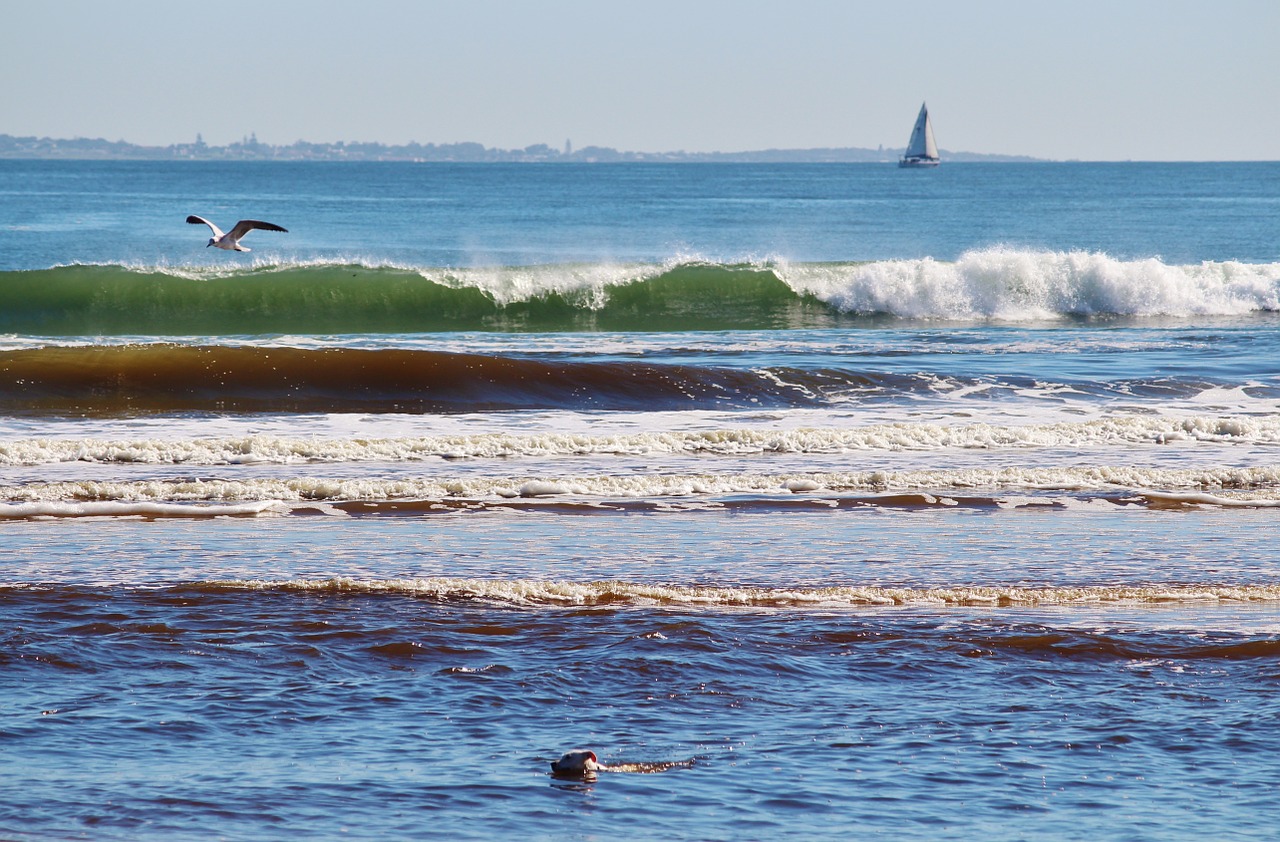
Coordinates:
[251,149]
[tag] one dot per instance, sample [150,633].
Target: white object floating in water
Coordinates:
[231,240]
[575,764]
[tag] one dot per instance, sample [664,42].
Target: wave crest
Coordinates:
[682,294]
[1018,285]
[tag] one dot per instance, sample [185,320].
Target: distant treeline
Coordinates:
[251,149]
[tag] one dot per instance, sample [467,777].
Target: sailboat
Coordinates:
[922,150]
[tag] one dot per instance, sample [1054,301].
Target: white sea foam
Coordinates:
[1257,486]
[741,441]
[1019,285]
[535,592]
[136,508]
[586,285]
[1200,498]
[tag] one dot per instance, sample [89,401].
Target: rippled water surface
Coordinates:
[816,501]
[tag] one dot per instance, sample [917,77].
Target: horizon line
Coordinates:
[29,147]
[33,146]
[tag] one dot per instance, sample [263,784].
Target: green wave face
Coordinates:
[117,300]
[76,300]
[1005,285]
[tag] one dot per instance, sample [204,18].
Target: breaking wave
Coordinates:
[333,297]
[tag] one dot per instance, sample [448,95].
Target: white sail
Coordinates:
[921,148]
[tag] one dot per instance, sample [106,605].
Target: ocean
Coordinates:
[819,501]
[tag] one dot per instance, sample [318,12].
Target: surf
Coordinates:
[268,449]
[1003,489]
[322,297]
[617,594]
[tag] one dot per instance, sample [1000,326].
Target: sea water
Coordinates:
[857,501]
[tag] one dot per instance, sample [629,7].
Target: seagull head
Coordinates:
[211,242]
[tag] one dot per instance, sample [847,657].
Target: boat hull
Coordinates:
[918,162]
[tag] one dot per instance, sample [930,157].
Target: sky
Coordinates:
[1089,80]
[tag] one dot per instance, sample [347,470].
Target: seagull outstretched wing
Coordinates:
[244,226]
[200,220]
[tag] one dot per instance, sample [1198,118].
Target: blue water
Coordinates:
[514,214]
[815,500]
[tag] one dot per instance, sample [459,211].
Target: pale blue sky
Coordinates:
[1096,80]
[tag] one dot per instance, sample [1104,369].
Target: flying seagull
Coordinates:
[231,240]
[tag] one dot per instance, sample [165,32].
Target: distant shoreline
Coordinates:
[251,149]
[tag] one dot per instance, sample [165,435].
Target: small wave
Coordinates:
[45,509]
[621,594]
[167,378]
[271,449]
[1006,488]
[369,297]
[156,377]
